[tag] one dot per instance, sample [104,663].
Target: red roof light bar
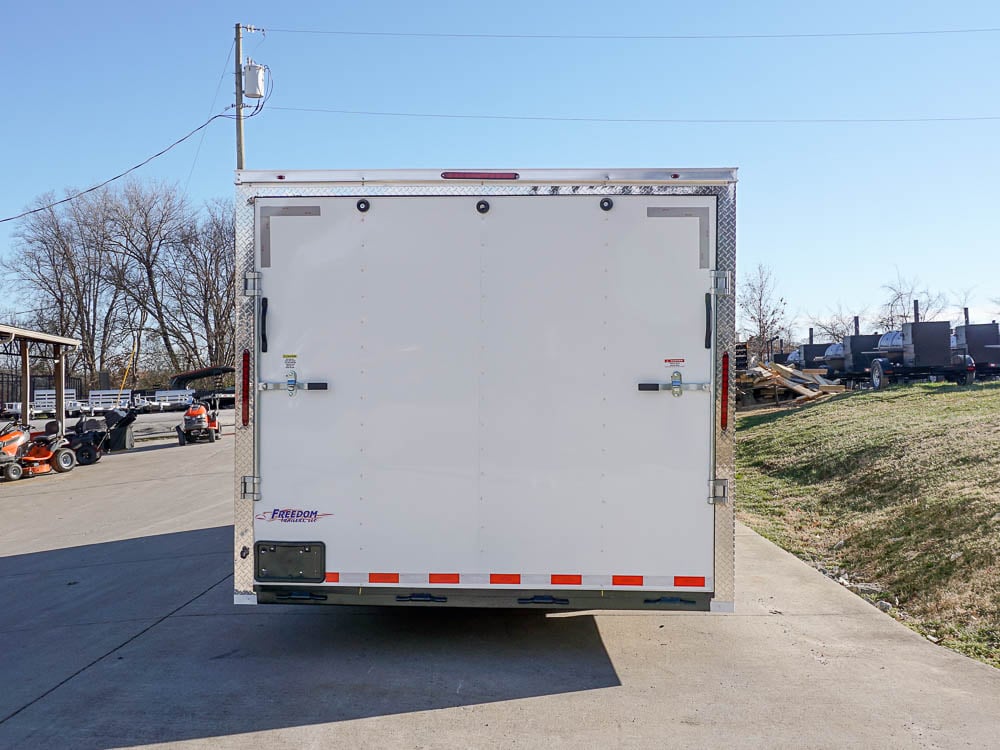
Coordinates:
[479,175]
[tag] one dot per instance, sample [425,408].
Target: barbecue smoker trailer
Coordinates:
[981,341]
[921,350]
[850,361]
[486,389]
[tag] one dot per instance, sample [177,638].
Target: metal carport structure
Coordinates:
[18,342]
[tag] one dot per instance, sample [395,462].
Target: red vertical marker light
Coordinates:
[245,384]
[724,407]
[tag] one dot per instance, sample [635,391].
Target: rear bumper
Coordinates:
[547,599]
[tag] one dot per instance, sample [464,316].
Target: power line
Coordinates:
[643,37]
[224,114]
[647,120]
[117,176]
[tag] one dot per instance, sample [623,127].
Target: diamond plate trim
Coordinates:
[244,446]
[250,191]
[725,337]
[725,332]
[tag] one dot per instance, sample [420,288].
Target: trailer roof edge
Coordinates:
[676,176]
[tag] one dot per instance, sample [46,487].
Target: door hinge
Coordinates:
[718,492]
[722,283]
[250,488]
[251,284]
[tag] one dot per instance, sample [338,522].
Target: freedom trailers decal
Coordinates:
[291,515]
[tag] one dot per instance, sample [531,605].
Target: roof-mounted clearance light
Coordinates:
[479,175]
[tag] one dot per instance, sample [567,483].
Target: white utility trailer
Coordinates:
[486,388]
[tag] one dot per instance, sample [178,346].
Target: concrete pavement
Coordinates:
[119,631]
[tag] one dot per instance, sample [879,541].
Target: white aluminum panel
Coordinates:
[420,334]
[306,459]
[542,378]
[581,472]
[383,306]
[455,515]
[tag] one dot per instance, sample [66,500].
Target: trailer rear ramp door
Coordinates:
[455,400]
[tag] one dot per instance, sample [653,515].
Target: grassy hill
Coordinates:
[896,493]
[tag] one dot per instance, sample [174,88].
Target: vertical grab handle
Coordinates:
[708,320]
[263,324]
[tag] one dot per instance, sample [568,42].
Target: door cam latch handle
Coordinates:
[284,385]
[676,386]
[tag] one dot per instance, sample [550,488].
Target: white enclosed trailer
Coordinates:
[486,388]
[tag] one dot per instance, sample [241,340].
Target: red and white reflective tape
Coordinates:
[519,579]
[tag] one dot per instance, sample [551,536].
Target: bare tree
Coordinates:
[59,266]
[200,286]
[898,306]
[215,253]
[837,324]
[960,300]
[761,309]
[135,274]
[151,223]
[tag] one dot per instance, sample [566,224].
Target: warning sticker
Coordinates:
[290,360]
[676,362]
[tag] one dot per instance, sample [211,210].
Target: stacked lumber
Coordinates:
[809,385]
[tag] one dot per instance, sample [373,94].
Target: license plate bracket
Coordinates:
[290,562]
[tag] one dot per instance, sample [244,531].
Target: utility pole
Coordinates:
[239,96]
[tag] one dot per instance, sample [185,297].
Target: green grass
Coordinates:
[907,481]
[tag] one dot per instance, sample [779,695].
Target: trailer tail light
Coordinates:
[245,392]
[479,175]
[724,416]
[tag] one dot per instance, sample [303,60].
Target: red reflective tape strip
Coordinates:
[689,580]
[333,577]
[443,578]
[245,386]
[724,406]
[505,577]
[566,580]
[626,580]
[383,578]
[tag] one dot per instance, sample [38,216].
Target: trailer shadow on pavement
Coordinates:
[137,641]
[159,445]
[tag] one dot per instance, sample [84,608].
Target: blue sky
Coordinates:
[834,209]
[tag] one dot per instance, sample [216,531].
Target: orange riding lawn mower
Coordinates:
[201,422]
[26,453]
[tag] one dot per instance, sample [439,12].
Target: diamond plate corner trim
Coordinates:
[725,513]
[244,445]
